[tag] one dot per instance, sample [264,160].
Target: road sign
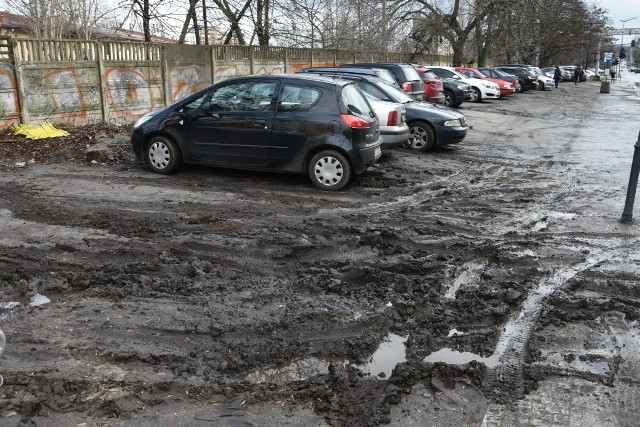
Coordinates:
[608,57]
[623,31]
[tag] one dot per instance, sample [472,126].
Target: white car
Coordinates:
[393,121]
[482,89]
[544,81]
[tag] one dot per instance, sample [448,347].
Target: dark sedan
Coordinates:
[527,78]
[289,122]
[430,125]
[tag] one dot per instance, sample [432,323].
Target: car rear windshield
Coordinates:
[410,73]
[355,101]
[386,75]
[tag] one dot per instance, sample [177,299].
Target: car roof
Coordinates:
[439,66]
[307,77]
[356,70]
[347,76]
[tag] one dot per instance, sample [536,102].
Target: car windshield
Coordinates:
[386,75]
[396,95]
[462,76]
[501,73]
[470,74]
[383,91]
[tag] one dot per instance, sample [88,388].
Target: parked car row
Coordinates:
[327,122]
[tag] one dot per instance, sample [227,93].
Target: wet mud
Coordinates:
[488,283]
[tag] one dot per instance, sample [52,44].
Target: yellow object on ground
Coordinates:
[43,130]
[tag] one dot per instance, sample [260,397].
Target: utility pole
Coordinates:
[624,21]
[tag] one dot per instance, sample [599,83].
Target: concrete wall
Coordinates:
[83,82]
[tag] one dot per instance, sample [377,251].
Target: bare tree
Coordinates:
[62,18]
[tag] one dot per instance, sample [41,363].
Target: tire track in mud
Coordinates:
[512,344]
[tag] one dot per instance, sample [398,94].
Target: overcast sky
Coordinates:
[623,9]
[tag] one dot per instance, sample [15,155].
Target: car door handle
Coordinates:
[259,123]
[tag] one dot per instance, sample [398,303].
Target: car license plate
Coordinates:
[377,152]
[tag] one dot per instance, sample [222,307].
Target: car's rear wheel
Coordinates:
[329,170]
[476,96]
[421,136]
[163,155]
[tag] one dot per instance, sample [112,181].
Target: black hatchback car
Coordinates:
[289,123]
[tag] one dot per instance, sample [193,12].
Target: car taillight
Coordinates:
[354,121]
[406,86]
[393,118]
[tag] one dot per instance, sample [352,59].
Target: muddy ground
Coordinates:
[486,284]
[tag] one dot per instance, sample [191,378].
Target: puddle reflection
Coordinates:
[452,357]
[390,352]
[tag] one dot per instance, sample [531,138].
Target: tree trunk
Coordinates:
[185,27]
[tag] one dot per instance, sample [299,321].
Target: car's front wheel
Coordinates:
[329,170]
[449,99]
[541,85]
[163,155]
[476,96]
[421,136]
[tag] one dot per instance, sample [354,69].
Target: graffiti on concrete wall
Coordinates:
[185,81]
[9,113]
[64,93]
[128,92]
[225,72]
[72,94]
[263,68]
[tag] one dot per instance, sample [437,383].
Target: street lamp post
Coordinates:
[624,21]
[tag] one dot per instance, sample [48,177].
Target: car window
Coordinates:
[469,74]
[193,105]
[485,72]
[243,96]
[355,102]
[297,98]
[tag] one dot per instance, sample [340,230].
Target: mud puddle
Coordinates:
[387,356]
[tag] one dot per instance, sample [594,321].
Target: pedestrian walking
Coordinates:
[557,75]
[612,74]
[578,73]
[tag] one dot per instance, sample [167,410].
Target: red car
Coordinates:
[433,89]
[506,88]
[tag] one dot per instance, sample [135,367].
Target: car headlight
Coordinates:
[488,86]
[142,120]
[452,123]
